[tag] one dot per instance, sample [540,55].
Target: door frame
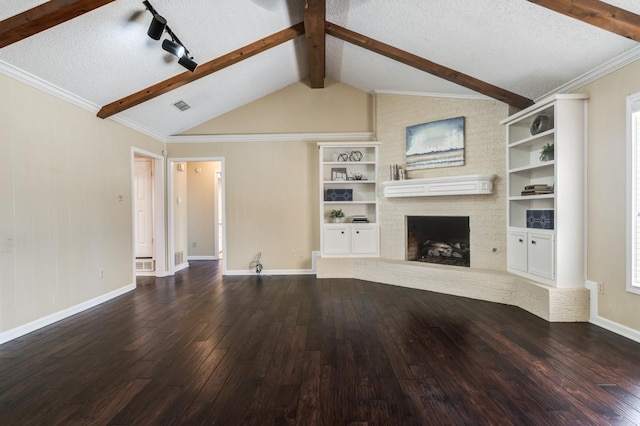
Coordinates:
[170,166]
[159,225]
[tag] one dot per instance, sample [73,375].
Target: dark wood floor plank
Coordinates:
[200,348]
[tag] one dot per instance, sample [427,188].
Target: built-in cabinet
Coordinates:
[546,193]
[349,183]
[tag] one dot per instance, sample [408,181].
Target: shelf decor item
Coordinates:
[541,123]
[355,156]
[339,173]
[336,215]
[540,219]
[435,144]
[339,195]
[546,153]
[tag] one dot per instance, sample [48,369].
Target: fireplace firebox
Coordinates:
[438,239]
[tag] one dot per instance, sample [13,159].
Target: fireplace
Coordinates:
[438,239]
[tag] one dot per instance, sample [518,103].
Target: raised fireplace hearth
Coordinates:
[438,239]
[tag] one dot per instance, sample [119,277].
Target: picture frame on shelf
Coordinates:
[339,173]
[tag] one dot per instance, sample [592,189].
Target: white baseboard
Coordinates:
[182,266]
[14,333]
[314,259]
[202,257]
[266,272]
[607,324]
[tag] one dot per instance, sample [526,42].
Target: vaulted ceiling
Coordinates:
[97,53]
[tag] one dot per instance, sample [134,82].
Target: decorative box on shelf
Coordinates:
[339,195]
[540,219]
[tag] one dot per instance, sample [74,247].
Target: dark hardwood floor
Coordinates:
[198,348]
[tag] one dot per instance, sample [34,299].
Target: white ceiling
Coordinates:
[105,55]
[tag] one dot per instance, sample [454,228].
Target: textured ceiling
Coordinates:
[105,55]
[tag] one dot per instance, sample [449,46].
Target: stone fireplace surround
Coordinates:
[486,279]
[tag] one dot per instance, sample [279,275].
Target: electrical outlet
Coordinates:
[600,288]
[193,244]
[101,273]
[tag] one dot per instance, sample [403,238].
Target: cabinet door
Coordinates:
[364,240]
[336,239]
[517,250]
[540,254]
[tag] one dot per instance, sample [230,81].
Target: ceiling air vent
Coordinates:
[182,105]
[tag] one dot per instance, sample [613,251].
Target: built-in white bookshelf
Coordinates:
[545,203]
[349,182]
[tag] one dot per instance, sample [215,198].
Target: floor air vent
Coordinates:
[145,265]
[179,258]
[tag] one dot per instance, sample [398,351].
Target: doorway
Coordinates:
[147,183]
[196,210]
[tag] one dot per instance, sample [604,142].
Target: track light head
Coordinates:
[157,27]
[174,45]
[174,48]
[188,63]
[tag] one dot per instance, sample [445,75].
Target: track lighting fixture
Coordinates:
[157,27]
[174,48]
[188,63]
[174,45]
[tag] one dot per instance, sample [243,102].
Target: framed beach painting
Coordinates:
[435,144]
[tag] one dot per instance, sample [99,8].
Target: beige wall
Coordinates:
[607,189]
[297,109]
[271,187]
[484,154]
[271,191]
[201,209]
[66,209]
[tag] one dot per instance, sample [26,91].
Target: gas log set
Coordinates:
[439,239]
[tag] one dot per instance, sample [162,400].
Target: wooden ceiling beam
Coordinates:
[202,70]
[428,66]
[597,13]
[314,18]
[43,17]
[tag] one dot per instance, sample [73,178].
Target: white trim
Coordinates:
[60,93]
[170,215]
[477,97]
[534,108]
[139,128]
[65,313]
[612,326]
[40,84]
[632,107]
[202,257]
[446,185]
[598,72]
[159,249]
[267,272]
[180,267]
[271,137]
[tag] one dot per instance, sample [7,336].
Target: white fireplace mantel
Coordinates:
[445,185]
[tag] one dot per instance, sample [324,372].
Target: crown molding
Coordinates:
[38,83]
[477,97]
[273,137]
[596,73]
[43,85]
[138,128]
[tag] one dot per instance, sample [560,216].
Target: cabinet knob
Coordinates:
[520,240]
[357,232]
[533,241]
[342,232]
